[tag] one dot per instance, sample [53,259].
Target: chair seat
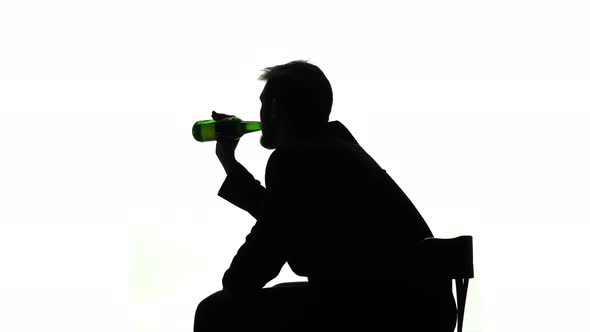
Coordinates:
[441,259]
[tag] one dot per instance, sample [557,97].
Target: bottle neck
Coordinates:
[250,126]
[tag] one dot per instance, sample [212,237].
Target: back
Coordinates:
[342,216]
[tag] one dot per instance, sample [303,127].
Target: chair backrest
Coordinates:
[453,259]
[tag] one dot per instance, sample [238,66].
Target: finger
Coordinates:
[227,140]
[219,116]
[215,115]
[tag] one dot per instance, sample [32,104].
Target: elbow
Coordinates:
[239,285]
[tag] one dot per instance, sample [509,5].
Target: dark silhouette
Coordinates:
[334,215]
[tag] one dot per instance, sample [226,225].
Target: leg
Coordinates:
[218,312]
[270,309]
[351,306]
[379,306]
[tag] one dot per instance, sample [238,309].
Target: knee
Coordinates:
[211,300]
[211,310]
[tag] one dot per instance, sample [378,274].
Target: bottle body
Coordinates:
[232,127]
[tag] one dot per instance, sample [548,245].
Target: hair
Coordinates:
[302,89]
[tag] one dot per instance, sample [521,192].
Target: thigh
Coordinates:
[269,309]
[355,307]
[286,308]
[376,307]
[220,311]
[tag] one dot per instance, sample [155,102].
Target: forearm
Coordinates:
[242,189]
[230,166]
[257,261]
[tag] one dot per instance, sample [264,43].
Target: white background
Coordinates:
[109,215]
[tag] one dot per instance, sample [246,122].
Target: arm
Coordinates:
[259,260]
[242,189]
[239,188]
[263,254]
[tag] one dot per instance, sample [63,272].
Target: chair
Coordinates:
[440,258]
[452,259]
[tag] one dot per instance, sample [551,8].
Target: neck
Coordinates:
[291,134]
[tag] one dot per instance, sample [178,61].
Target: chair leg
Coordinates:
[461,285]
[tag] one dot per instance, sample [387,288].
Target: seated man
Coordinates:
[333,214]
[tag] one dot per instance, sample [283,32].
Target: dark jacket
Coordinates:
[328,209]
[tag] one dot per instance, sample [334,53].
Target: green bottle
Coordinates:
[232,127]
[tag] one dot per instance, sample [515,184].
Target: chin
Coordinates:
[267,143]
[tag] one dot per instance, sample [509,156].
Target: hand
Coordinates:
[226,147]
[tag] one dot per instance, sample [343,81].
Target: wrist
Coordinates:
[230,165]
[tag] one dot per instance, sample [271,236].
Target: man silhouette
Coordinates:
[333,214]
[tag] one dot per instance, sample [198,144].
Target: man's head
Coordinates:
[296,100]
